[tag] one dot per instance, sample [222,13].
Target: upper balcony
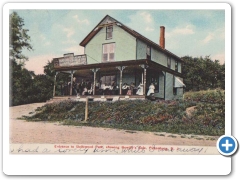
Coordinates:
[69,60]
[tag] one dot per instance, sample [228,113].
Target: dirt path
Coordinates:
[52,133]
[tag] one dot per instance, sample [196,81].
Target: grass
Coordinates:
[155,116]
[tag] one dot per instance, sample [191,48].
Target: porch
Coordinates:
[109,79]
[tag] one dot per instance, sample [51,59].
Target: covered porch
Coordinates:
[111,80]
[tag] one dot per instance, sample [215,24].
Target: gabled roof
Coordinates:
[108,20]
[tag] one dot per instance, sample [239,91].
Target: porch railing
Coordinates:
[70,60]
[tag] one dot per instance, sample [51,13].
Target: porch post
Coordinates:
[121,68]
[71,83]
[144,81]
[144,77]
[54,84]
[95,70]
[120,84]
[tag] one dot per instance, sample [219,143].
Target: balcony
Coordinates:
[69,60]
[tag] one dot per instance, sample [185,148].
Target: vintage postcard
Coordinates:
[101,80]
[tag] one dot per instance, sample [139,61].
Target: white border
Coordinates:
[114,164]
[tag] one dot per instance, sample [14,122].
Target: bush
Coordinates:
[158,116]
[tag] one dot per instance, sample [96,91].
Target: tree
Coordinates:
[18,38]
[20,78]
[62,78]
[203,73]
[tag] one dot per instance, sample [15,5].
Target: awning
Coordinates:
[178,83]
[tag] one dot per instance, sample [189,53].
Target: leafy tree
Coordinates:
[20,78]
[20,84]
[61,80]
[18,38]
[203,73]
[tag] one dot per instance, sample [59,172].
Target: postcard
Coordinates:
[105,83]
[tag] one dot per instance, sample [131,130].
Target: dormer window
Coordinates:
[109,31]
[176,66]
[148,52]
[169,62]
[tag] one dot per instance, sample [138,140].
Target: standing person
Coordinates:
[151,89]
[132,87]
[81,86]
[74,88]
[140,89]
[88,85]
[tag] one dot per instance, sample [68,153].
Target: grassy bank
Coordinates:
[159,116]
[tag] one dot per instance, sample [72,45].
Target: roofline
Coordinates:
[131,31]
[92,31]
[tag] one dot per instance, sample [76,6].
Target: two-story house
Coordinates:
[115,53]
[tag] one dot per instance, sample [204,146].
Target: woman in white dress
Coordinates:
[151,89]
[140,89]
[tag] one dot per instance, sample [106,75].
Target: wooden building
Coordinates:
[116,55]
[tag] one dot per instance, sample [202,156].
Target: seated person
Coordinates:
[132,88]
[85,91]
[125,88]
[103,86]
[90,91]
[151,89]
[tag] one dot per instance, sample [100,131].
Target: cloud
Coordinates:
[69,31]
[84,21]
[142,20]
[48,43]
[208,38]
[68,41]
[149,29]
[188,29]
[220,57]
[147,17]
[42,37]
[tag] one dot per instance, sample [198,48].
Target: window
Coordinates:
[174,91]
[109,31]
[148,52]
[108,52]
[169,62]
[107,80]
[176,65]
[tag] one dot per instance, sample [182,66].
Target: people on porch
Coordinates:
[132,88]
[90,91]
[85,90]
[140,89]
[125,88]
[74,88]
[151,89]
[82,85]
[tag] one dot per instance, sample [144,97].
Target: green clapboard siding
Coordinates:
[158,57]
[169,87]
[125,46]
[160,94]
[141,50]
[180,67]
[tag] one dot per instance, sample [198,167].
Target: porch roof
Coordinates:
[151,64]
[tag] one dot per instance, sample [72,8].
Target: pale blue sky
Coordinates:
[188,32]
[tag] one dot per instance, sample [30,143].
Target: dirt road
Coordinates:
[22,131]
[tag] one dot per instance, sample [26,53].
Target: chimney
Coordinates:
[162,37]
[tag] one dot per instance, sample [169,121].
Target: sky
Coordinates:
[187,32]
